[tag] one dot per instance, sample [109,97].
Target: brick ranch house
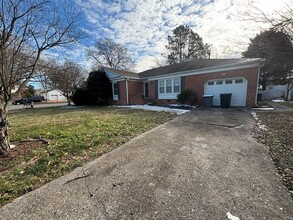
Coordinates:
[204,76]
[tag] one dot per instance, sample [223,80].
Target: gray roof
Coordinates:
[124,73]
[197,64]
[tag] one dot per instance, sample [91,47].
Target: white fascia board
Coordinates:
[121,78]
[202,71]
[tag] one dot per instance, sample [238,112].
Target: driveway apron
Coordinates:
[198,166]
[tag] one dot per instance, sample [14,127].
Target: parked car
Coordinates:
[27,100]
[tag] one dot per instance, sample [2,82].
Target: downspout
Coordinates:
[261,63]
[126,87]
[255,102]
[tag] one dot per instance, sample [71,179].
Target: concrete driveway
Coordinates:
[198,166]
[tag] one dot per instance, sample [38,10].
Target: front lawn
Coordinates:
[68,138]
[288,104]
[278,136]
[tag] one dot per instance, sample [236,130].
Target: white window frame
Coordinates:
[115,96]
[165,95]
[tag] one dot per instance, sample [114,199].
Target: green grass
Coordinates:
[288,104]
[262,103]
[75,136]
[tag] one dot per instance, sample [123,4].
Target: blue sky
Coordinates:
[143,26]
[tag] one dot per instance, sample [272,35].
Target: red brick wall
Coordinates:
[196,83]
[135,93]
[152,90]
[122,94]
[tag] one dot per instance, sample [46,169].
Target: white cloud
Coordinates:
[143,26]
[228,28]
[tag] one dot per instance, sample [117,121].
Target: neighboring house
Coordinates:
[53,95]
[204,76]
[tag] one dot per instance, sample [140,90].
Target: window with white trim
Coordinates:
[176,85]
[115,90]
[162,86]
[169,88]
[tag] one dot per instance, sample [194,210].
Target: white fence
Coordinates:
[276,91]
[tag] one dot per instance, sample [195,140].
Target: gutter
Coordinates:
[262,63]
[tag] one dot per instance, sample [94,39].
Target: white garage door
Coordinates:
[236,86]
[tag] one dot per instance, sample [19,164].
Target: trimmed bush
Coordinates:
[79,97]
[97,91]
[187,96]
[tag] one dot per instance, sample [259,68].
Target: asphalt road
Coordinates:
[37,105]
[201,165]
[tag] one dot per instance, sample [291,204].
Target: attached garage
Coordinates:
[236,86]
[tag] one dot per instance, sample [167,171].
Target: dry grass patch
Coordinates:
[279,138]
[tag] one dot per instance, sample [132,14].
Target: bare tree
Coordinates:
[108,53]
[27,29]
[281,21]
[284,22]
[42,75]
[66,78]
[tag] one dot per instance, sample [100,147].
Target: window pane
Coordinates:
[176,82]
[219,82]
[211,83]
[228,81]
[115,85]
[176,88]
[168,86]
[239,81]
[162,87]
[146,90]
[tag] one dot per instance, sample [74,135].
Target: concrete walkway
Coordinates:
[198,166]
[278,107]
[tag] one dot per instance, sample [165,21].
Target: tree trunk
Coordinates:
[68,101]
[289,88]
[4,132]
[264,84]
[46,94]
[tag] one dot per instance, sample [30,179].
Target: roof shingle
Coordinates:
[124,73]
[196,64]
